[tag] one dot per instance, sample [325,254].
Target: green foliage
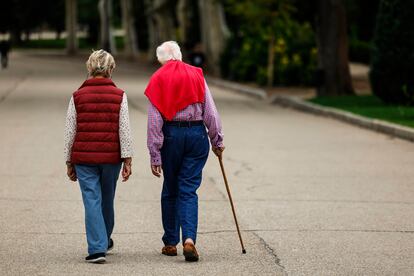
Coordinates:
[392,66]
[361,16]
[43,44]
[88,16]
[360,51]
[84,43]
[370,106]
[19,16]
[253,23]
[141,24]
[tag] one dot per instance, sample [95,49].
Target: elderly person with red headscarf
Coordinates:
[97,142]
[181,108]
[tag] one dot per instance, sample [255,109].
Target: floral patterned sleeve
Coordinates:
[125,137]
[70,129]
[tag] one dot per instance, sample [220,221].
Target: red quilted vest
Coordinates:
[97,104]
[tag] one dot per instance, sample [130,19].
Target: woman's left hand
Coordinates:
[126,169]
[71,172]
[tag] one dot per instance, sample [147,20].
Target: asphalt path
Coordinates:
[314,196]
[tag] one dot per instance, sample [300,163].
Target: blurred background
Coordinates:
[314,196]
[360,51]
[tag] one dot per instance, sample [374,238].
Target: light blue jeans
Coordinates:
[98,184]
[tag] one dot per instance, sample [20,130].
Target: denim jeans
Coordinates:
[98,184]
[184,154]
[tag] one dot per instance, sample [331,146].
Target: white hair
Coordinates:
[169,50]
[100,63]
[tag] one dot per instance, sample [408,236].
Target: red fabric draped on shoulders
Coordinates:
[175,86]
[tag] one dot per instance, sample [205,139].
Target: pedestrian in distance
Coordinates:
[4,53]
[197,57]
[97,142]
[181,107]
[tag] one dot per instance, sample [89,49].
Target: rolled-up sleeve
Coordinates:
[212,120]
[155,137]
[125,137]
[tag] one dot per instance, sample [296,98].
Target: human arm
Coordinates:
[125,139]
[155,138]
[212,121]
[70,133]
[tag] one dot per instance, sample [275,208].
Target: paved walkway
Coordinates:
[314,196]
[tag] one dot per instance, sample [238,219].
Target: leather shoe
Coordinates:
[169,250]
[190,252]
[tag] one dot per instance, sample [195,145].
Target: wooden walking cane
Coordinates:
[231,202]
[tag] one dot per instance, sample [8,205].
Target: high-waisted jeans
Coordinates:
[184,154]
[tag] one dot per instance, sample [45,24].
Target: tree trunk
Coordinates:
[183,20]
[160,24]
[16,36]
[26,36]
[271,61]
[71,27]
[214,32]
[152,38]
[187,25]
[128,23]
[106,38]
[165,21]
[332,41]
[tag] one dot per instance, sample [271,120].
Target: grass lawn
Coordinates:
[370,106]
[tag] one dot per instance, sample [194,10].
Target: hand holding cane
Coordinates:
[231,200]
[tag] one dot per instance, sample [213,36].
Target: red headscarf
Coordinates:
[175,86]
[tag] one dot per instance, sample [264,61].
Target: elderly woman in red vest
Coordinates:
[97,142]
[181,108]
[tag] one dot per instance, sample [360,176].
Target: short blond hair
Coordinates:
[169,50]
[100,63]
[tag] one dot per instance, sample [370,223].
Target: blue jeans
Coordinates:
[184,154]
[98,184]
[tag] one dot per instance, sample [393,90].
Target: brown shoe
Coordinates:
[190,252]
[169,250]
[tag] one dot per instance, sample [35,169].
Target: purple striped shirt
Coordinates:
[206,112]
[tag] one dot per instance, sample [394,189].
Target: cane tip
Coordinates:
[244,251]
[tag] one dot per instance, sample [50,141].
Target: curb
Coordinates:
[384,127]
[240,88]
[381,126]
